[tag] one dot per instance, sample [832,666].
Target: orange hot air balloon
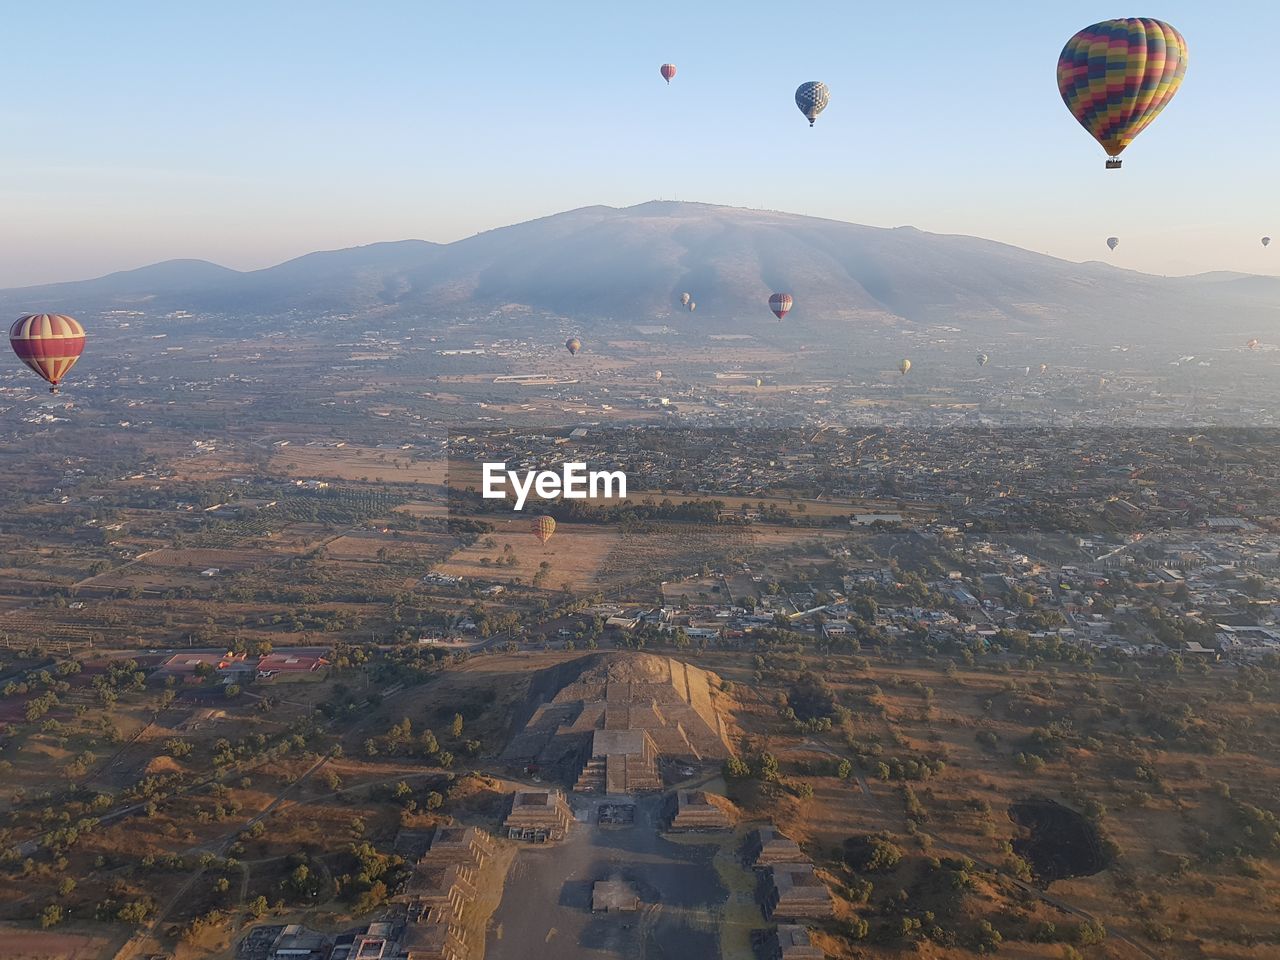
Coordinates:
[48,343]
[543,528]
[668,70]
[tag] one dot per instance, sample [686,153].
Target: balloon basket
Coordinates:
[1113,163]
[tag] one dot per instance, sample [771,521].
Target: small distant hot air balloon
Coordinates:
[983,359]
[657,374]
[780,304]
[48,343]
[692,306]
[668,70]
[1044,368]
[759,383]
[543,528]
[573,345]
[1266,241]
[1026,372]
[684,299]
[812,98]
[1113,242]
[1253,344]
[904,366]
[1117,75]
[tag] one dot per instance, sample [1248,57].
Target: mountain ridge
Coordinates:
[632,263]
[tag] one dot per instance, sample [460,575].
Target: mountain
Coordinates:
[632,264]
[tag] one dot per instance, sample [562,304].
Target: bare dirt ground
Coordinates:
[548,905]
[356,463]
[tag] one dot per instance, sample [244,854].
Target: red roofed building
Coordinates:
[292,666]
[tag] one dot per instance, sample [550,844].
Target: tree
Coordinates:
[257,907]
[736,769]
[872,853]
[51,916]
[1090,933]
[434,800]
[455,728]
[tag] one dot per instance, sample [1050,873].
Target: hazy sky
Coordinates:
[248,133]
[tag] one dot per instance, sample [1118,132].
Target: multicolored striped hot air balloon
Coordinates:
[983,359]
[573,345]
[812,98]
[543,528]
[48,343]
[668,70]
[780,304]
[1117,75]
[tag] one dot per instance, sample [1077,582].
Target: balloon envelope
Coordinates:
[543,527]
[1117,75]
[684,299]
[48,343]
[1266,241]
[781,304]
[983,359]
[668,70]
[905,365]
[1113,242]
[573,345]
[812,98]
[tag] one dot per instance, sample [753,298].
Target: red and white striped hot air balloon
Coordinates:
[780,304]
[668,70]
[48,343]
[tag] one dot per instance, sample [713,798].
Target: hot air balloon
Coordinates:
[684,299]
[692,306]
[668,70]
[1113,242]
[812,98]
[1253,344]
[543,528]
[759,383]
[1117,75]
[48,343]
[1026,372]
[1044,368]
[780,304]
[904,366]
[983,359]
[657,374]
[573,345]
[1266,241]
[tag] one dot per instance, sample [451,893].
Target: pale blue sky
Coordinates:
[247,133]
